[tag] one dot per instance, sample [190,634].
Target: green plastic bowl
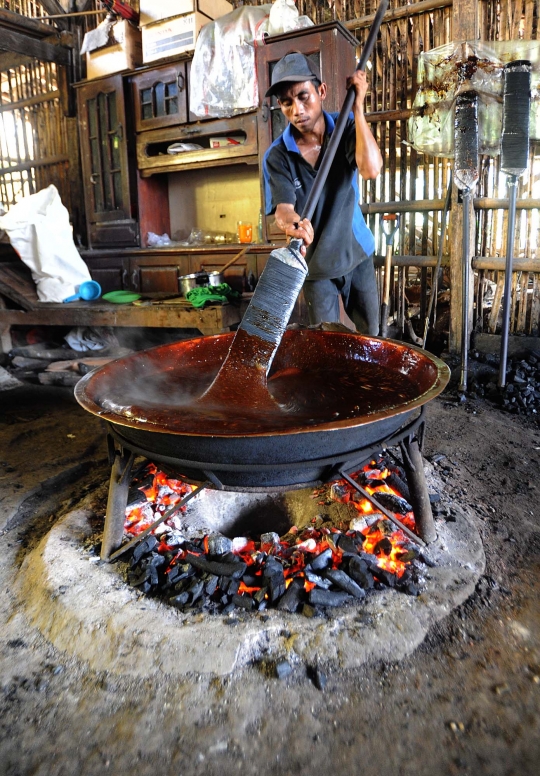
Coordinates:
[121,297]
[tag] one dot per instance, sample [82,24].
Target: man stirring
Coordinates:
[339,246]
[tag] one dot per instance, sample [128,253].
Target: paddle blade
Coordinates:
[516,109]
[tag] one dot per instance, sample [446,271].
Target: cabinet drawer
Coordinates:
[160,97]
[152,146]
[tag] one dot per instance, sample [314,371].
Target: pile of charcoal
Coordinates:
[521,394]
[305,571]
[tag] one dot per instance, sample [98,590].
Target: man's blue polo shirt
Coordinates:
[342,239]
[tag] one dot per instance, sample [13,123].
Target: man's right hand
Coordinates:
[288,220]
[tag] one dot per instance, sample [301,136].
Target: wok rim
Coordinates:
[439,383]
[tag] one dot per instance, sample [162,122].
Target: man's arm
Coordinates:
[288,220]
[368,156]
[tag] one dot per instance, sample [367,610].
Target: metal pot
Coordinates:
[143,398]
[187,283]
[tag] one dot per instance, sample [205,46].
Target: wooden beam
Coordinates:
[36,100]
[34,163]
[10,20]
[40,49]
[398,13]
[464,27]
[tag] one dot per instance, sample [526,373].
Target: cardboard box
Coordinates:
[156,10]
[223,142]
[173,36]
[125,54]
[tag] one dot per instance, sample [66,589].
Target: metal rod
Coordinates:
[385,512]
[466,271]
[434,277]
[164,516]
[507,294]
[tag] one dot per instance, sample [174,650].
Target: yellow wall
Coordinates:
[214,199]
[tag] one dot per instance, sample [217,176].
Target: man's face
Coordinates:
[301,104]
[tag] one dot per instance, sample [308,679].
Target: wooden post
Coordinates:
[464,27]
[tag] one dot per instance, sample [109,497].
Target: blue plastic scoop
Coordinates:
[88,291]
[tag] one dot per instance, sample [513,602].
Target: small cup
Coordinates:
[245,231]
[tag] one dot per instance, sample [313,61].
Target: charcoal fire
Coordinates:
[308,570]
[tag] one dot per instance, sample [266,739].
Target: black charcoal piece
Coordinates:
[243,601]
[218,544]
[283,669]
[358,570]
[145,547]
[233,587]
[347,544]
[344,581]
[291,600]
[260,594]
[217,567]
[315,579]
[393,503]
[317,677]
[383,547]
[396,482]
[250,580]
[386,577]
[322,560]
[141,578]
[229,608]
[434,498]
[211,585]
[179,600]
[196,590]
[326,598]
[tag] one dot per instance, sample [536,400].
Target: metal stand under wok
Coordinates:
[409,438]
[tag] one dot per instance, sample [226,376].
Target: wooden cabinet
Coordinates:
[332,48]
[160,97]
[108,189]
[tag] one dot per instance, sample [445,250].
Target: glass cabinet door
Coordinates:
[160,97]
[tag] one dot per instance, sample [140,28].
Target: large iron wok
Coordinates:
[335,393]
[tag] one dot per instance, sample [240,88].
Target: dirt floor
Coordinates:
[467,701]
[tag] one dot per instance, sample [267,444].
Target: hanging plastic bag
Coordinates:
[283,17]
[39,230]
[223,77]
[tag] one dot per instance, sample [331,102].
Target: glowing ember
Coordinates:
[321,558]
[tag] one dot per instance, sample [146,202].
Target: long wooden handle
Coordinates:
[234,258]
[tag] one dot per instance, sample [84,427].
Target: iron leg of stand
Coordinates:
[117,502]
[416,479]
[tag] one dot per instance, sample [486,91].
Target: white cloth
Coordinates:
[39,230]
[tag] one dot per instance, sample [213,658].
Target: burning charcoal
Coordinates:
[321,561]
[243,601]
[395,482]
[393,503]
[269,539]
[327,598]
[317,677]
[343,580]
[239,543]
[358,570]
[283,669]
[315,579]
[217,567]
[211,585]
[361,523]
[145,547]
[179,600]
[383,547]
[347,544]
[218,544]
[291,600]
[338,491]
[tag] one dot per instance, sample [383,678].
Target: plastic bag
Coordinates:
[449,70]
[223,77]
[39,230]
[283,17]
